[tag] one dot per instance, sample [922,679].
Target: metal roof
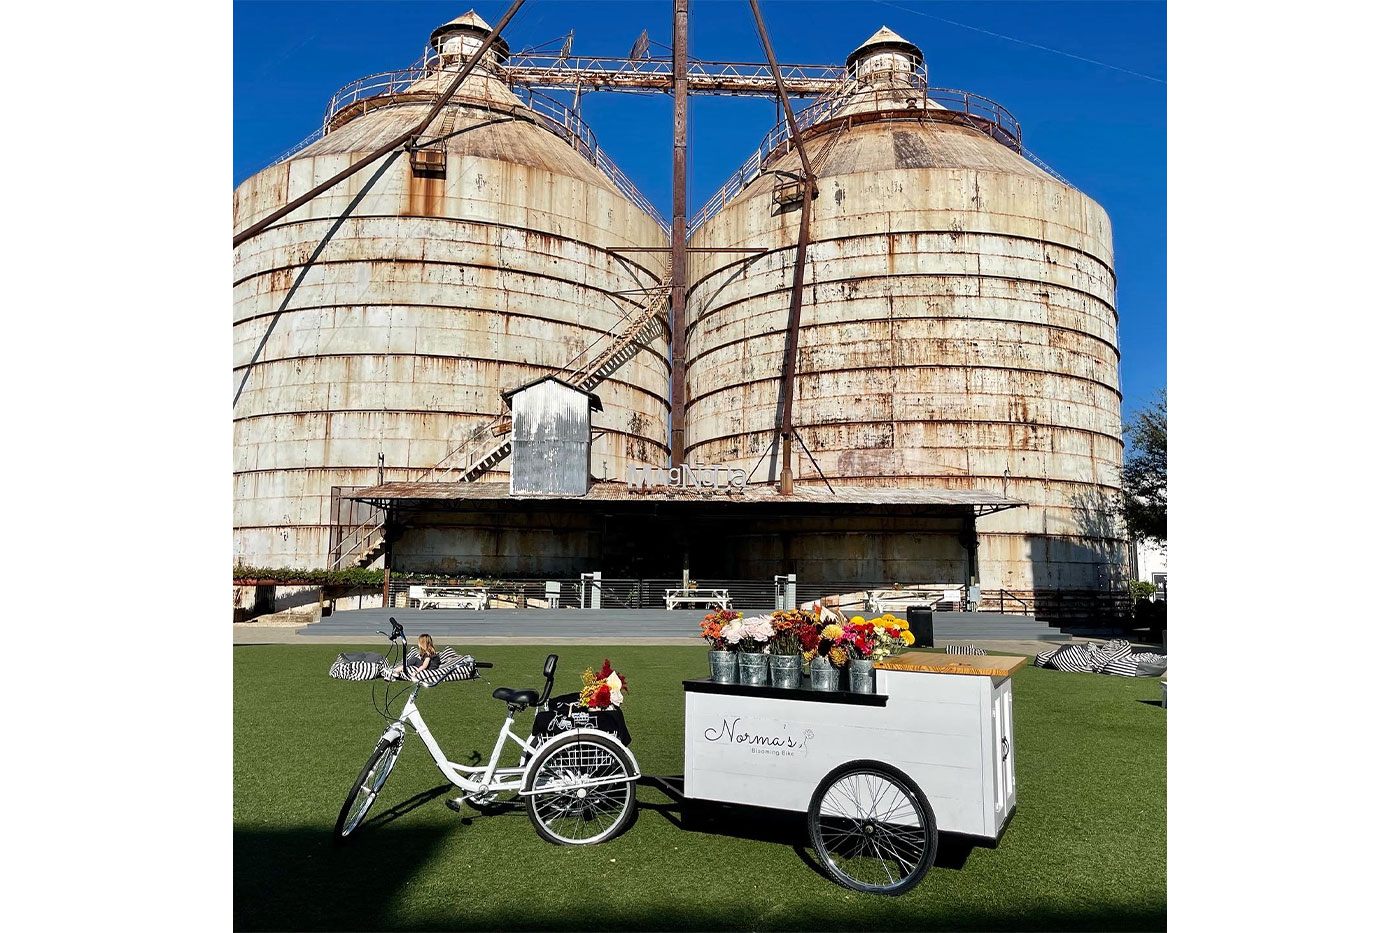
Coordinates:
[594,402]
[766,494]
[468,21]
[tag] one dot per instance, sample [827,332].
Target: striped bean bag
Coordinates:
[1115,657]
[451,667]
[964,649]
[1074,658]
[1121,667]
[359,665]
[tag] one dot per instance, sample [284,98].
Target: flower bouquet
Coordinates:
[825,654]
[602,690]
[785,647]
[723,664]
[750,637]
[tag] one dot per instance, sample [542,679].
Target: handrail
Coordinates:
[980,113]
[360,534]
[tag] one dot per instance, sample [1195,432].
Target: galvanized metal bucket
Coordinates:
[724,667]
[824,676]
[862,675]
[753,669]
[787,670]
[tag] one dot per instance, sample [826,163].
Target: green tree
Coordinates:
[1145,471]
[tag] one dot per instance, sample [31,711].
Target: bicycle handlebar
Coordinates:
[484,664]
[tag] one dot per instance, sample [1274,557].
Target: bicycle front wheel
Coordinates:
[367,787]
[583,791]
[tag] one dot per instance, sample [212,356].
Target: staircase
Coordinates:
[641,329]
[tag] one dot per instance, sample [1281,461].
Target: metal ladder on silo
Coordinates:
[640,330]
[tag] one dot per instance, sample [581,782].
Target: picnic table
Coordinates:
[716,598]
[448,597]
[949,596]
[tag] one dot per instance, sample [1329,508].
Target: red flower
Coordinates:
[603,696]
[606,672]
[809,636]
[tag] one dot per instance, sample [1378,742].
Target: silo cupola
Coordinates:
[885,57]
[458,40]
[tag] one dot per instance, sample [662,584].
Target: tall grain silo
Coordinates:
[388,314]
[958,324]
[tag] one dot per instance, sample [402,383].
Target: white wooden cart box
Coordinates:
[945,721]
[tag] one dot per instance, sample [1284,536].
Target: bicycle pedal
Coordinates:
[454,804]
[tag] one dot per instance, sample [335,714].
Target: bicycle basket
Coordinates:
[563,713]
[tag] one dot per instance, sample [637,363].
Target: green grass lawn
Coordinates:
[1087,848]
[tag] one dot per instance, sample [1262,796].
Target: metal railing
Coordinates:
[977,112]
[355,527]
[595,73]
[551,114]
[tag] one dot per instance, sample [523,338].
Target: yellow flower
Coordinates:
[832,632]
[857,620]
[837,656]
[907,637]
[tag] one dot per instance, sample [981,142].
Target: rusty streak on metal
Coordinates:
[804,230]
[388,147]
[680,32]
[688,249]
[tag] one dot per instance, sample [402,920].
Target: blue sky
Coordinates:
[1086,80]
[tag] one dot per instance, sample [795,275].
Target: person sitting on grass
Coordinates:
[427,654]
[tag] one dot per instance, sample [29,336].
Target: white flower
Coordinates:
[733,632]
[614,683]
[759,628]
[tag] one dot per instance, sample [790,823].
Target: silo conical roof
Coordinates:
[467,22]
[884,38]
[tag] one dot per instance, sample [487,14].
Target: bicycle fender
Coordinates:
[564,738]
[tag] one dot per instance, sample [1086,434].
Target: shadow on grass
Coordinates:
[300,879]
[760,824]
[1156,703]
[406,807]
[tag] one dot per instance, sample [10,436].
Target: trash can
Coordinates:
[921,624]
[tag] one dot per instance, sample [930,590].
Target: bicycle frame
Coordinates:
[490,778]
[473,780]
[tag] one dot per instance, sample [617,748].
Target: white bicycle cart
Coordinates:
[878,775]
[578,784]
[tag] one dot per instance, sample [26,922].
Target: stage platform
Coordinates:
[681,624]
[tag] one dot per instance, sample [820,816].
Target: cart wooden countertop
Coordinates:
[936,663]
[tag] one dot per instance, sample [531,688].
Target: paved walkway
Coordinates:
[1011,634]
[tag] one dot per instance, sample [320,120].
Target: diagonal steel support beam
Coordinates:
[809,184]
[388,147]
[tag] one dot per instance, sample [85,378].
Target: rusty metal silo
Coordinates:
[387,315]
[958,329]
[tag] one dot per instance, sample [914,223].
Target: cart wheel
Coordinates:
[872,828]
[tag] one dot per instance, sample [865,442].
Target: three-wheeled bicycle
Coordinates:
[578,782]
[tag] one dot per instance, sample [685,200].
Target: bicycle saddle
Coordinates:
[517,697]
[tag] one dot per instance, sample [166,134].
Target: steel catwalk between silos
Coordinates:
[388,314]
[958,331]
